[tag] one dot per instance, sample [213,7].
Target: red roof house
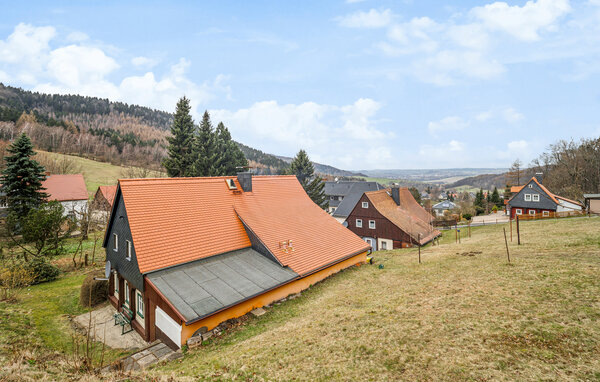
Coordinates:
[189,253]
[69,190]
[104,198]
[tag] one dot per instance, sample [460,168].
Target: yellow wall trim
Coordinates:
[264,299]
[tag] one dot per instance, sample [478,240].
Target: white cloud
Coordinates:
[26,43]
[452,123]
[512,116]
[327,132]
[471,36]
[73,65]
[141,61]
[523,23]
[444,67]
[371,19]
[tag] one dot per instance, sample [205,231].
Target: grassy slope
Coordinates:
[95,173]
[464,314]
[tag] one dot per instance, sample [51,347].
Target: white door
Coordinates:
[168,326]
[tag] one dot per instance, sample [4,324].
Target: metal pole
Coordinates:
[506,243]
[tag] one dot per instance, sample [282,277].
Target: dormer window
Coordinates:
[115,242]
[231,184]
[129,250]
[365,204]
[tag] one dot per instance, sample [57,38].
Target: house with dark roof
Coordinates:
[391,218]
[186,254]
[346,205]
[534,198]
[104,198]
[441,207]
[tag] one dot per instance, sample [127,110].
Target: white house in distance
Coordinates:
[442,207]
[69,190]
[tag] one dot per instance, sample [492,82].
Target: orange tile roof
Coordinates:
[109,193]
[178,220]
[409,216]
[514,189]
[279,210]
[65,187]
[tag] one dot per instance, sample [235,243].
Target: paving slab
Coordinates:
[103,329]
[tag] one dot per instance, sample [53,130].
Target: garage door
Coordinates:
[168,326]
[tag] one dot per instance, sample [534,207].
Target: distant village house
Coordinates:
[390,219]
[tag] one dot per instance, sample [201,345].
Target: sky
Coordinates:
[358,84]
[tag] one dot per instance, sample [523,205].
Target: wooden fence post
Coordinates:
[518,232]
[469,229]
[456,232]
[419,248]
[510,223]
[506,243]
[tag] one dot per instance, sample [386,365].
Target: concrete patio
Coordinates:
[104,329]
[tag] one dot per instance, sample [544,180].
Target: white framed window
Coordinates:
[372,224]
[369,241]
[359,223]
[528,197]
[126,285]
[519,211]
[535,197]
[139,303]
[384,245]
[531,212]
[116,282]
[365,204]
[115,242]
[129,250]
[545,213]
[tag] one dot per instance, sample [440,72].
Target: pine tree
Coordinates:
[304,170]
[495,199]
[228,156]
[416,194]
[22,178]
[204,147]
[181,142]
[479,202]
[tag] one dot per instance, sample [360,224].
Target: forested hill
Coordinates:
[103,130]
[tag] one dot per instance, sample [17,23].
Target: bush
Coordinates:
[93,292]
[467,216]
[42,270]
[495,209]
[13,278]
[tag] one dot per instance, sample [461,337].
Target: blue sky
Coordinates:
[358,84]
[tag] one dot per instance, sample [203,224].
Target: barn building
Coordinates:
[391,218]
[189,253]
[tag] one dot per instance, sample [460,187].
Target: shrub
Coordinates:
[467,216]
[495,209]
[13,279]
[93,292]
[42,270]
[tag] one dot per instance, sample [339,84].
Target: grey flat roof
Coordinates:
[205,286]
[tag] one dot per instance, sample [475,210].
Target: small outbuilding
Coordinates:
[104,198]
[592,203]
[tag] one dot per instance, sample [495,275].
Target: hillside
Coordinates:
[440,175]
[107,131]
[463,314]
[488,181]
[326,169]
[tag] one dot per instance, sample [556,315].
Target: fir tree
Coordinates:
[204,147]
[228,156]
[22,179]
[495,199]
[181,142]
[479,202]
[304,170]
[416,194]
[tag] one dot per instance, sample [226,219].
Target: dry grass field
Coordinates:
[463,314]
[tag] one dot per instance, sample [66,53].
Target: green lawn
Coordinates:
[463,314]
[95,173]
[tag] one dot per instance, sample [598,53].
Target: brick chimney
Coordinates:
[245,179]
[396,194]
[539,176]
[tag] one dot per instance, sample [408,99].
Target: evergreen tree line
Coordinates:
[485,203]
[200,150]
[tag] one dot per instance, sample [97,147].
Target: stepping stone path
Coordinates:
[154,353]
